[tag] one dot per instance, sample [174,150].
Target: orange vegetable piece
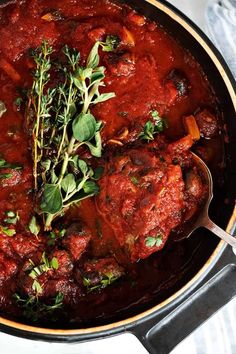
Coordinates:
[192,127]
[49,17]
[127,37]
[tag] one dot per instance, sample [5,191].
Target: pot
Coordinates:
[161,326]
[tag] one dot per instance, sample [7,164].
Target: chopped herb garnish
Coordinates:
[107,279]
[7,231]
[134,180]
[110,44]
[18,101]
[155,241]
[6,175]
[37,287]
[34,226]
[12,217]
[5,164]
[54,263]
[151,128]
[34,309]
[44,266]
[57,234]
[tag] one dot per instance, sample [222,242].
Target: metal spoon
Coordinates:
[202,219]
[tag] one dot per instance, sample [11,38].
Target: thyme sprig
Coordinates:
[62,122]
[34,309]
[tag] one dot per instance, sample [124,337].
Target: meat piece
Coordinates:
[12,177]
[207,124]
[5,245]
[96,270]
[8,267]
[65,264]
[24,245]
[120,64]
[96,34]
[178,80]
[142,201]
[179,151]
[67,287]
[76,241]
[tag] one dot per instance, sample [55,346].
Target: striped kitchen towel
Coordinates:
[221,28]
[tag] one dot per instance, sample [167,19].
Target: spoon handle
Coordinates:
[210,225]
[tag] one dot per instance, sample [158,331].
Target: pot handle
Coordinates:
[161,333]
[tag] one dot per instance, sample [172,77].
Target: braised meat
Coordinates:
[142,196]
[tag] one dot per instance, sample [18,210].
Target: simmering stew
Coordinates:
[99,108]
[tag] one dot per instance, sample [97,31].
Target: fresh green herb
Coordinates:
[134,180]
[12,217]
[6,175]
[110,44]
[34,309]
[18,101]
[57,234]
[44,266]
[3,108]
[5,164]
[54,263]
[37,287]
[107,279]
[7,231]
[154,241]
[152,128]
[34,226]
[98,172]
[160,123]
[61,123]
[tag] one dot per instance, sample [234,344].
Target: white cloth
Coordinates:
[221,28]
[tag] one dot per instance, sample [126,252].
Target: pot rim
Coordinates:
[225,73]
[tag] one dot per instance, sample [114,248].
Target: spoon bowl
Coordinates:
[202,218]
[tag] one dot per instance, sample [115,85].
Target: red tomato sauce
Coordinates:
[147,189]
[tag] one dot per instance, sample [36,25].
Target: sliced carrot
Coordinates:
[49,17]
[9,70]
[52,16]
[127,37]
[192,127]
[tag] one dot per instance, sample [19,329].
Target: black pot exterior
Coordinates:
[162,328]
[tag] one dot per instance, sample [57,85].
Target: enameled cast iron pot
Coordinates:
[161,327]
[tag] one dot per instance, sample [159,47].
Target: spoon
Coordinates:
[202,219]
